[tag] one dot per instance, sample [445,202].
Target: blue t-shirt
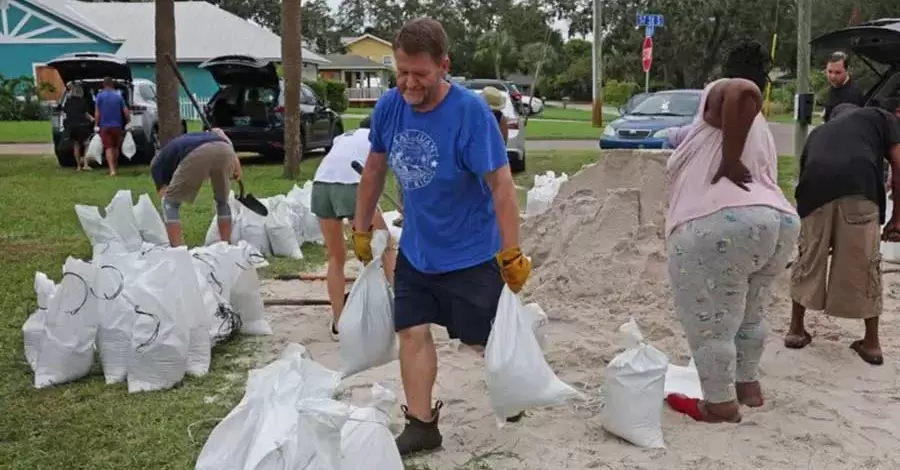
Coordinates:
[112,109]
[164,165]
[440,159]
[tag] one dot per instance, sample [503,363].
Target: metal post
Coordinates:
[647,82]
[804,19]
[597,108]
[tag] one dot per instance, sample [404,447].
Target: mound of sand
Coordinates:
[599,258]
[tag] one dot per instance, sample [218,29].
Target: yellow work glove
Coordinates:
[362,245]
[514,267]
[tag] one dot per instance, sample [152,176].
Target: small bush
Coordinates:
[333,92]
[19,99]
[616,93]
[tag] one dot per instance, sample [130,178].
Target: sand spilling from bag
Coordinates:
[600,258]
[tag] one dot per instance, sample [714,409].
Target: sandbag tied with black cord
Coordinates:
[116,315]
[66,346]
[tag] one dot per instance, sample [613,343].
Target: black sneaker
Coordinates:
[516,418]
[419,436]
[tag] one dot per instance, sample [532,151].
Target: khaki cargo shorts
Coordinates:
[850,285]
[213,160]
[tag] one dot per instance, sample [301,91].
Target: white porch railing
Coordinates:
[365,94]
[187,108]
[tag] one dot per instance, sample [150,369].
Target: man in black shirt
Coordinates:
[841,203]
[842,88]
[78,123]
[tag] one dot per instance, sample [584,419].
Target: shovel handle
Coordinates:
[240,189]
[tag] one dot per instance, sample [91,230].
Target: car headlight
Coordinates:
[609,131]
[661,134]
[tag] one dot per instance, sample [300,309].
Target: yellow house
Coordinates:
[371,47]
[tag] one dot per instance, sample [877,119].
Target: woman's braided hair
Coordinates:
[748,60]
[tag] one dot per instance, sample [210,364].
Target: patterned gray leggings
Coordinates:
[722,267]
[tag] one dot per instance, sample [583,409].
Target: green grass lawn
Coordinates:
[553,112]
[88,424]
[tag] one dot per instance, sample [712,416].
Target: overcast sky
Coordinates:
[559,25]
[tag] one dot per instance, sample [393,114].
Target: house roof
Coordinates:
[351,62]
[202,31]
[346,41]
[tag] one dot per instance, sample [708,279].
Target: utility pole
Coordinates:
[597,108]
[804,20]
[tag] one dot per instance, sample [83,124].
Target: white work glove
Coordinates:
[96,129]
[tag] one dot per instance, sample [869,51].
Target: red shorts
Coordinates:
[111,137]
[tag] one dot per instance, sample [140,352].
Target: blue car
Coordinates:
[647,123]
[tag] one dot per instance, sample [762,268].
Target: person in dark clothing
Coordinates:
[842,88]
[78,123]
[180,170]
[841,203]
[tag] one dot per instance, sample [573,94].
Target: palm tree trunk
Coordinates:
[292,66]
[166,82]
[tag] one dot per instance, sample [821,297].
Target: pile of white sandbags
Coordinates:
[289,419]
[153,312]
[288,226]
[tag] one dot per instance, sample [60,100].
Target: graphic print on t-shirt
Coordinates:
[414,158]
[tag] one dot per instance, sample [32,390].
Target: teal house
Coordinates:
[33,32]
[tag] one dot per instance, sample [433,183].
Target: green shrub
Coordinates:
[616,93]
[19,99]
[333,92]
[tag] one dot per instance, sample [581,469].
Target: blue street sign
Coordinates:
[648,20]
[648,32]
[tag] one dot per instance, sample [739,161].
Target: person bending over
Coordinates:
[180,170]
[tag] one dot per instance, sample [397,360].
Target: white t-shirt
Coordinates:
[335,167]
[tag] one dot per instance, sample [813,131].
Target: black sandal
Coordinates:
[873,359]
[794,341]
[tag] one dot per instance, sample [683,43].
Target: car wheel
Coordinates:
[517,166]
[527,109]
[65,153]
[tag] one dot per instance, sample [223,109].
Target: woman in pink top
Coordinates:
[730,232]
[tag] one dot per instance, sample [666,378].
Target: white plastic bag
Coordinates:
[366,326]
[161,337]
[366,439]
[216,277]
[634,390]
[33,329]
[317,442]
[116,315]
[253,231]
[212,233]
[535,314]
[280,230]
[541,195]
[683,380]
[149,223]
[128,146]
[264,423]
[389,218]
[189,304]
[97,229]
[66,352]
[310,230]
[518,376]
[120,216]
[246,299]
[95,149]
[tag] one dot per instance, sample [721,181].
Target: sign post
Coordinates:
[649,23]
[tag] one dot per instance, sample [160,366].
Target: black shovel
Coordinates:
[247,200]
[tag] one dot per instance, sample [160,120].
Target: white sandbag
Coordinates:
[890,251]
[66,351]
[112,273]
[366,439]
[161,337]
[634,390]
[366,326]
[97,229]
[310,231]
[95,149]
[317,443]
[216,276]
[389,218]
[33,329]
[541,195]
[683,380]
[265,420]
[149,222]
[189,304]
[253,231]
[280,230]
[246,299]
[518,376]
[212,233]
[128,146]
[120,216]
[535,314]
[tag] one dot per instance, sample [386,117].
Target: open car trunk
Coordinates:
[232,70]
[82,66]
[876,41]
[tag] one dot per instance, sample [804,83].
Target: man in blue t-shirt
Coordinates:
[111,114]
[180,170]
[460,239]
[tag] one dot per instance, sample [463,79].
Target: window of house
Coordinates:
[388,60]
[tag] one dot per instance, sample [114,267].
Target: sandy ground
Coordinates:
[599,258]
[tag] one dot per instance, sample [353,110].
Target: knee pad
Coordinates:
[171,210]
[223,210]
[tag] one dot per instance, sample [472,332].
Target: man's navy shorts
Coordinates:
[464,301]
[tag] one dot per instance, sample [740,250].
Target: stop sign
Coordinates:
[647,54]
